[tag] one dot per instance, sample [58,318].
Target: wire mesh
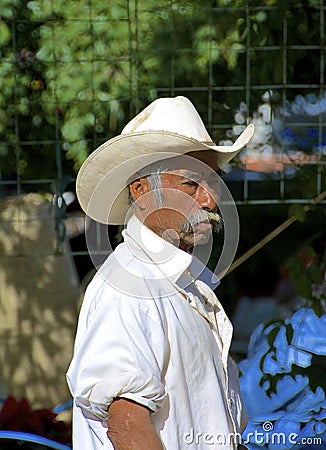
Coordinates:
[73,75]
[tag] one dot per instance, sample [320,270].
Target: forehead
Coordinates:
[202,163]
[207,157]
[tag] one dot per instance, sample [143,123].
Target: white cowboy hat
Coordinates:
[167,127]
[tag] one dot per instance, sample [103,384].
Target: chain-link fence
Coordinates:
[73,74]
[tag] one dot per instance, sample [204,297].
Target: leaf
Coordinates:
[272,336]
[316,274]
[317,307]
[289,333]
[5,34]
[298,212]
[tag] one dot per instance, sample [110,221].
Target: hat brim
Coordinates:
[102,180]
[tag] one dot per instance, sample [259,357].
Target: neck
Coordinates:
[168,235]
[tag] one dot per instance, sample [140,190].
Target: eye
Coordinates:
[190,183]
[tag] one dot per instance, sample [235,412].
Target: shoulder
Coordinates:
[118,291]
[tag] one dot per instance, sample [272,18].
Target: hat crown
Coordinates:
[175,115]
[167,127]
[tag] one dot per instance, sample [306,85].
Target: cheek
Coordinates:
[173,217]
[181,200]
[178,206]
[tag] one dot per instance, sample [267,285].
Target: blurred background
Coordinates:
[73,73]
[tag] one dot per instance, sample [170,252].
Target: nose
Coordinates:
[206,197]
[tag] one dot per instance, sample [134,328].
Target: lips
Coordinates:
[203,226]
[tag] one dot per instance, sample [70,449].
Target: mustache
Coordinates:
[202,216]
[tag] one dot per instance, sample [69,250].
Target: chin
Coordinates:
[201,239]
[196,239]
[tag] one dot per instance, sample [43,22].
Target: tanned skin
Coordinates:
[130,427]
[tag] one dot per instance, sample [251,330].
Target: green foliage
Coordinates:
[5,34]
[82,68]
[21,82]
[297,211]
[307,270]
[314,371]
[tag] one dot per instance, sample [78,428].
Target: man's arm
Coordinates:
[130,427]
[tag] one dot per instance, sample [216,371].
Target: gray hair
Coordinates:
[153,173]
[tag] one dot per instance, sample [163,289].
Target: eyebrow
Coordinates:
[191,175]
[195,176]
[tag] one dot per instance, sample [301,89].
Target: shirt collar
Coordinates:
[163,257]
[154,251]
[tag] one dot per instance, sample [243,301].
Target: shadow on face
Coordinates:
[183,208]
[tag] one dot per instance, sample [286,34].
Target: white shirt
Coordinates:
[146,334]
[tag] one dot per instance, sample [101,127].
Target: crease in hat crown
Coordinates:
[177,115]
[167,126]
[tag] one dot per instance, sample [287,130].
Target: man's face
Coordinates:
[189,200]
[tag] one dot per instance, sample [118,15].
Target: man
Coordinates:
[151,369]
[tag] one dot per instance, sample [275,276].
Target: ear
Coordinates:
[139,187]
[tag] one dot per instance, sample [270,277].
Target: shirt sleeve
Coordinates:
[121,354]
